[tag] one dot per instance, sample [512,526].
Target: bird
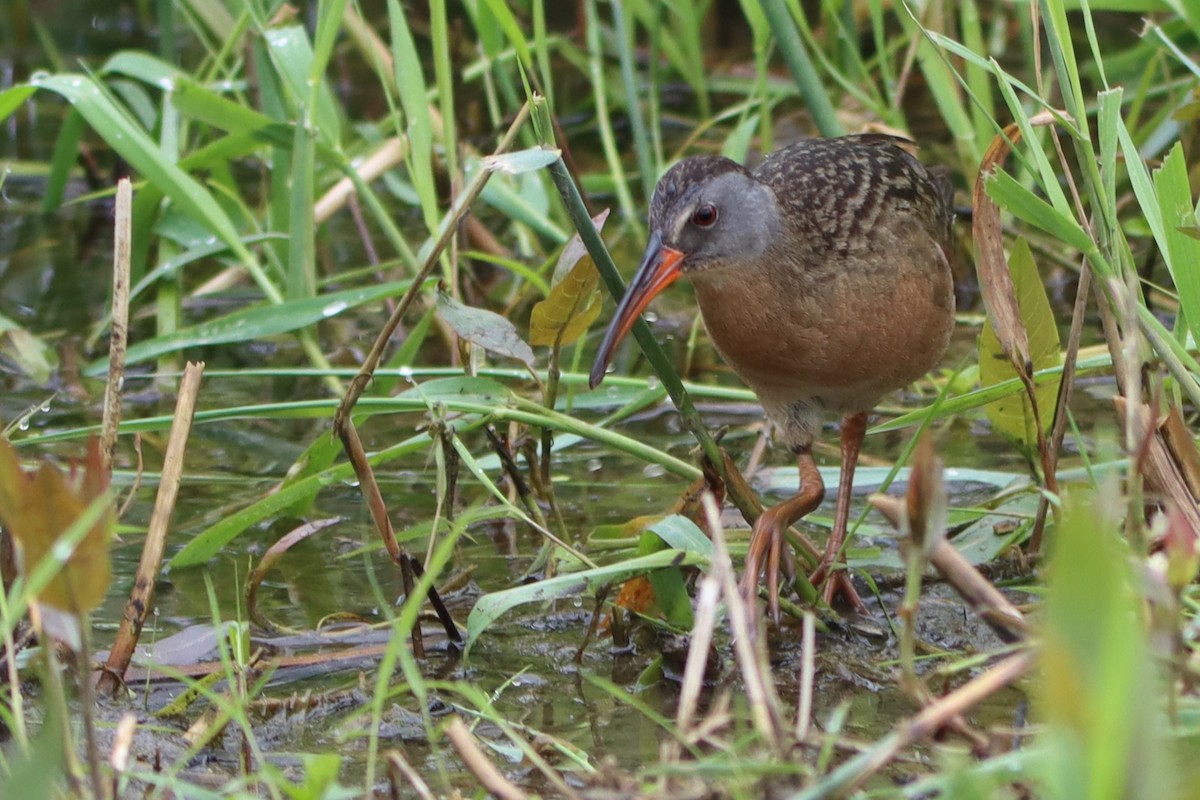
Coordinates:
[824,279]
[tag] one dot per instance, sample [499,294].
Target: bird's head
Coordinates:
[708,217]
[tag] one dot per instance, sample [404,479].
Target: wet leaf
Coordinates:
[574,301]
[38,508]
[490,331]
[485,391]
[670,583]
[255,322]
[1013,415]
[492,606]
[534,158]
[681,533]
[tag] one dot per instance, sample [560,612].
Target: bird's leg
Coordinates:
[837,581]
[767,540]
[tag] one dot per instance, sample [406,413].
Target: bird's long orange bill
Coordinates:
[660,267]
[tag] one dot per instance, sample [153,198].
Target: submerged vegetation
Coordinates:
[385,231]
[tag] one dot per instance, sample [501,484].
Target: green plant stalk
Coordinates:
[887,75]
[550,396]
[653,104]
[228,708]
[301,280]
[801,66]
[983,109]
[490,76]
[541,39]
[849,46]
[604,121]
[539,524]
[687,31]
[443,75]
[484,710]
[761,35]
[494,22]
[542,485]
[641,142]
[540,469]
[87,703]
[319,407]
[857,85]
[943,83]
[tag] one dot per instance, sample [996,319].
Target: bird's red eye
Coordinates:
[705,216]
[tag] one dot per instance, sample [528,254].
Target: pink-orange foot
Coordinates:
[767,542]
[837,584]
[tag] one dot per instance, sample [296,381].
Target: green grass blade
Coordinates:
[418,126]
[132,143]
[256,322]
[802,69]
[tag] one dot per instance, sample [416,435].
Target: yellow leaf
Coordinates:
[570,309]
[574,301]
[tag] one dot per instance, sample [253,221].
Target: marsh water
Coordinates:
[54,279]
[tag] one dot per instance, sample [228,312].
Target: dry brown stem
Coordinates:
[142,595]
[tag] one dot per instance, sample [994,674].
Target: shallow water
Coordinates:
[53,279]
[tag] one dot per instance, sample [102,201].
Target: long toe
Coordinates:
[839,586]
[765,555]
[755,555]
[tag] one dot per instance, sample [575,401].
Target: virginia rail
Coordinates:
[824,280]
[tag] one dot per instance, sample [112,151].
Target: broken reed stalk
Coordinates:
[140,598]
[808,674]
[343,425]
[118,339]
